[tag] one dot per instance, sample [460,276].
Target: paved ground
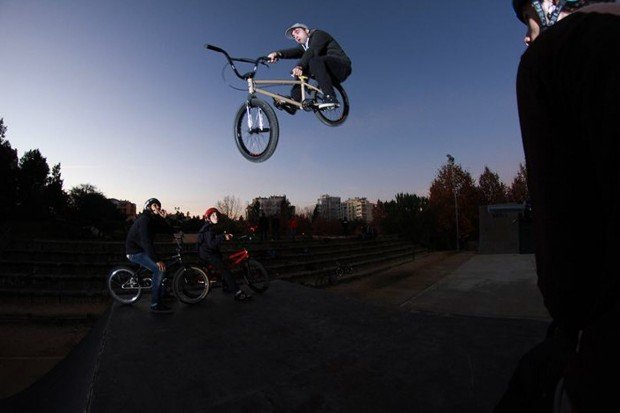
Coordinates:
[501,285]
[414,342]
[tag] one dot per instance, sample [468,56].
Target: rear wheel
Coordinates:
[256,130]
[337,116]
[124,285]
[191,285]
[256,276]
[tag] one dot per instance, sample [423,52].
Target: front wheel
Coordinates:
[190,285]
[256,130]
[337,116]
[124,285]
[256,276]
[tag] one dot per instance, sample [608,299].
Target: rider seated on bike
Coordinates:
[140,250]
[321,57]
[209,242]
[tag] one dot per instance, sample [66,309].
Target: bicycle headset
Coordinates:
[549,19]
[151,201]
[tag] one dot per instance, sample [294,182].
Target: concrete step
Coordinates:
[103,253]
[309,277]
[82,266]
[40,278]
[329,260]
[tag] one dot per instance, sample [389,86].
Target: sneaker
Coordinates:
[290,109]
[161,309]
[242,296]
[329,102]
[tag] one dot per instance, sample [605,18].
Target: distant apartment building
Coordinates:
[128,209]
[269,206]
[357,209]
[329,207]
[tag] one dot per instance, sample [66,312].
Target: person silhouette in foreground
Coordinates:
[568,92]
[140,250]
[209,242]
[321,57]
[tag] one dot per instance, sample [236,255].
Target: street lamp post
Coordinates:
[456,204]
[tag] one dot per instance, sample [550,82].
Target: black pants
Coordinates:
[568,90]
[327,70]
[228,280]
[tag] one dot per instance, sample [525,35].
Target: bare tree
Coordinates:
[230,206]
[308,211]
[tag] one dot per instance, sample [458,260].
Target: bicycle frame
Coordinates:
[252,89]
[238,257]
[252,83]
[144,274]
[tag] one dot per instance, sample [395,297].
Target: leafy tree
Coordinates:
[90,208]
[518,191]
[254,212]
[32,181]
[56,198]
[8,174]
[286,210]
[315,213]
[492,190]
[407,215]
[453,179]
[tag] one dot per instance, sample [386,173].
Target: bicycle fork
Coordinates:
[259,118]
[255,125]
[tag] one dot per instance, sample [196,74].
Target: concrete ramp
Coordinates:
[292,349]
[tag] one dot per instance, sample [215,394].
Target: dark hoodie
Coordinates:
[208,241]
[142,233]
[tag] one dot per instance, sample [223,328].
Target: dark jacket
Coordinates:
[142,233]
[209,242]
[320,44]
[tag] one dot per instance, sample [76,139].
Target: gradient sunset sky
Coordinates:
[125,97]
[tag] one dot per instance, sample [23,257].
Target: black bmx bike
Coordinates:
[189,283]
[255,128]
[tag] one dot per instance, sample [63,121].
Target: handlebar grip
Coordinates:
[214,48]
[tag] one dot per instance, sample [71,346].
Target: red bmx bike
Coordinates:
[252,271]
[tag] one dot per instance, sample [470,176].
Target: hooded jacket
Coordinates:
[208,241]
[142,234]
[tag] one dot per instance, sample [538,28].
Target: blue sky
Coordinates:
[125,97]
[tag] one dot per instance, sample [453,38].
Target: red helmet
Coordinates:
[210,212]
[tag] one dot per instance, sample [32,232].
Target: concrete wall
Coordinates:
[504,230]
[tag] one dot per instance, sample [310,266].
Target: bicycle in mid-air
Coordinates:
[256,129]
[190,284]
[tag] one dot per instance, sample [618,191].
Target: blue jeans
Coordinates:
[144,260]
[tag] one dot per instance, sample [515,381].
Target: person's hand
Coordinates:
[273,57]
[297,71]
[161,266]
[228,237]
[163,213]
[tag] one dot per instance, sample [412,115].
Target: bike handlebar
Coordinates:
[255,62]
